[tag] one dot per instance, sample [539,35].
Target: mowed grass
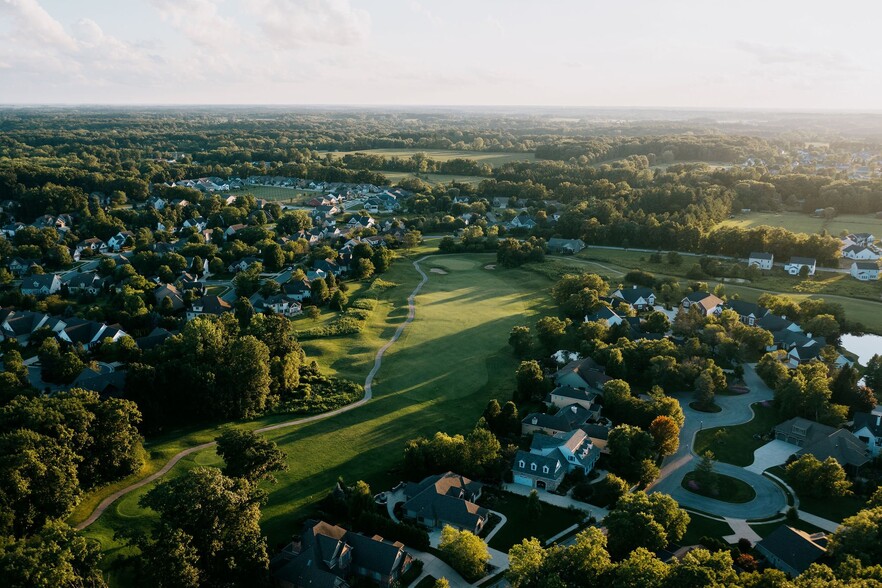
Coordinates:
[492,158]
[439,376]
[729,489]
[433,179]
[518,527]
[702,526]
[279,194]
[799,222]
[736,444]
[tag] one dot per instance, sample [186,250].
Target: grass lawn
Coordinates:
[736,444]
[701,526]
[832,509]
[519,527]
[491,158]
[729,489]
[433,179]
[439,376]
[279,194]
[804,223]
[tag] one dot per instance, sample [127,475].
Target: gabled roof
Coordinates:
[572,393]
[552,462]
[632,295]
[870,420]
[802,261]
[761,255]
[446,497]
[823,441]
[744,308]
[797,549]
[866,265]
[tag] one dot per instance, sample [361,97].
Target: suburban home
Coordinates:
[761,260]
[706,302]
[797,263]
[93,244]
[106,384]
[155,338]
[866,239]
[552,457]
[277,303]
[586,374]
[328,556]
[11,229]
[19,266]
[565,246]
[156,203]
[242,264]
[637,297]
[174,295]
[865,271]
[499,202]
[605,315]
[41,284]
[823,441]
[792,551]
[208,305]
[20,324]
[749,313]
[329,266]
[566,419]
[118,241]
[233,229]
[564,396]
[868,429]
[860,252]
[805,350]
[84,282]
[89,334]
[298,290]
[360,222]
[445,499]
[523,221]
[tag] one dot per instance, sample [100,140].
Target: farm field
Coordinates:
[491,158]
[803,223]
[439,376]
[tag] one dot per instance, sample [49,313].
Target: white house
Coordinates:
[865,271]
[797,263]
[605,314]
[116,242]
[551,457]
[41,285]
[868,428]
[763,261]
[638,297]
[860,252]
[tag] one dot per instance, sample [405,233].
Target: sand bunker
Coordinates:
[438,270]
[490,266]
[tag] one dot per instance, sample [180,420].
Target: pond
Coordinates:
[864,346]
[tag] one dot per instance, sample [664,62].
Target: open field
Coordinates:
[491,158]
[433,179]
[448,363]
[799,222]
[279,194]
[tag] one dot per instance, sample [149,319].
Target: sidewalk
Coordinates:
[819,522]
[557,500]
[432,566]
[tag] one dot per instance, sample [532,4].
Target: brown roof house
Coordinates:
[328,556]
[445,499]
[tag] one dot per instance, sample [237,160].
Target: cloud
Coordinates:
[298,23]
[767,54]
[199,21]
[418,7]
[32,22]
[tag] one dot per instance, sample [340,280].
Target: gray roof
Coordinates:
[631,295]
[446,497]
[572,393]
[795,548]
[823,441]
[866,265]
[802,260]
[761,255]
[870,420]
[553,463]
[744,308]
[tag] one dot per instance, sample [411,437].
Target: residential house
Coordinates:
[797,263]
[93,244]
[861,252]
[604,315]
[565,246]
[523,221]
[155,338]
[89,334]
[118,241]
[277,303]
[9,230]
[360,222]
[208,305]
[862,238]
[749,313]
[564,420]
[445,499]
[823,441]
[328,556]
[761,260]
[157,203]
[19,266]
[233,229]
[104,383]
[706,303]
[637,297]
[197,223]
[21,324]
[176,299]
[329,266]
[243,264]
[41,284]
[553,456]
[298,290]
[499,202]
[84,282]
[865,271]
[564,396]
[585,374]
[791,550]
[868,429]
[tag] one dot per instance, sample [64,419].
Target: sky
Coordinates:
[781,54]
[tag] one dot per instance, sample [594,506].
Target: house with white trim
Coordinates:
[761,260]
[865,271]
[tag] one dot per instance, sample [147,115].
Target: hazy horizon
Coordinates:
[680,55]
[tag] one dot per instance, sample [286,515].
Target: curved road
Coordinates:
[770,499]
[368,394]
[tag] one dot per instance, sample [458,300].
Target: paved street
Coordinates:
[770,499]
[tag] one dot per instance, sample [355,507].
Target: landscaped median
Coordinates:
[736,444]
[728,489]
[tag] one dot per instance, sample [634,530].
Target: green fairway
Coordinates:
[439,376]
[492,158]
[799,222]
[736,444]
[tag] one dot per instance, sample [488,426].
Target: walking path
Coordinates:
[558,500]
[819,522]
[741,531]
[368,393]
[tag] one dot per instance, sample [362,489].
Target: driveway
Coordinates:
[770,499]
[770,455]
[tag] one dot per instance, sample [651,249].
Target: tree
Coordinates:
[214,521]
[641,568]
[534,507]
[509,421]
[520,340]
[411,239]
[657,322]
[245,382]
[382,259]
[339,300]
[860,536]
[631,450]
[705,389]
[249,456]
[465,552]
[314,313]
[319,292]
[364,269]
[441,583]
[705,476]
[525,563]
[666,434]
[550,330]
[244,311]
[530,381]
[818,479]
[640,520]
